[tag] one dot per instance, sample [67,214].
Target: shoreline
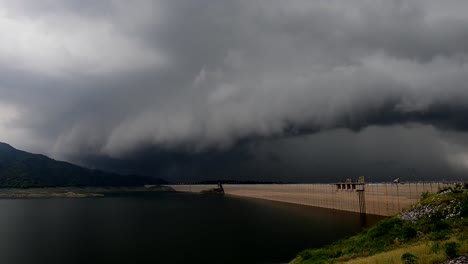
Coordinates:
[77,192]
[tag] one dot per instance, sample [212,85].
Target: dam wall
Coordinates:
[383,199]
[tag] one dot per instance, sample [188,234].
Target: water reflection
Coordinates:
[164,228]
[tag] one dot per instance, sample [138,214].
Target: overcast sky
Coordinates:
[294,90]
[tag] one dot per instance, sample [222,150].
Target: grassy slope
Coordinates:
[424,231]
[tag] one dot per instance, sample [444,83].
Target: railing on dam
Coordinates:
[380,198]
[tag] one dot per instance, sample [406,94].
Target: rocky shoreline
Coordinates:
[459,260]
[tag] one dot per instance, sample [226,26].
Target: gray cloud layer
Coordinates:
[112,78]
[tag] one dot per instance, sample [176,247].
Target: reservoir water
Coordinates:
[165,228]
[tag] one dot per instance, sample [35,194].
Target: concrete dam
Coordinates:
[383,199]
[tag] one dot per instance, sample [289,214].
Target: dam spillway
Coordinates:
[383,199]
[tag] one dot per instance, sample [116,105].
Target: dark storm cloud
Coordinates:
[198,79]
[379,153]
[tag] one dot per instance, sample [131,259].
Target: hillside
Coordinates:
[433,231]
[19,169]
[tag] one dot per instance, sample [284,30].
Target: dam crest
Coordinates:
[384,199]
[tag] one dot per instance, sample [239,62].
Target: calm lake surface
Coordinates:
[164,228]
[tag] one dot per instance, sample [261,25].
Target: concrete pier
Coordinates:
[380,198]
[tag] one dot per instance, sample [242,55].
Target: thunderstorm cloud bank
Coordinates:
[267,90]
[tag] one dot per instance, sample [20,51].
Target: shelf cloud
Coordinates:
[108,81]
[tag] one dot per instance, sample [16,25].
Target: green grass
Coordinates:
[429,235]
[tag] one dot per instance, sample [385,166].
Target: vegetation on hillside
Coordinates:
[434,230]
[19,169]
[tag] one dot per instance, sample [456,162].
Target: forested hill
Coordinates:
[20,169]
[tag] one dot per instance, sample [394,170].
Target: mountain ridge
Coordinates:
[21,169]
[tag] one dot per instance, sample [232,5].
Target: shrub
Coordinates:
[440,235]
[319,255]
[464,206]
[409,258]
[442,189]
[439,225]
[451,250]
[458,188]
[409,232]
[435,247]
[424,195]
